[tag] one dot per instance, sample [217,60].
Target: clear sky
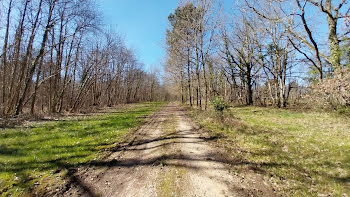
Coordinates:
[142,23]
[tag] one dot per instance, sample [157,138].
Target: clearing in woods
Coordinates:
[168,156]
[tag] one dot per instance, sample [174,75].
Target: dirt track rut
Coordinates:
[168,156]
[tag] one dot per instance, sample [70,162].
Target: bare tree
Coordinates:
[56,60]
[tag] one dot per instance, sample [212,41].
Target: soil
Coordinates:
[168,156]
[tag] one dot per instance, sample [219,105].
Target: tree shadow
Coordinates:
[45,148]
[178,160]
[282,160]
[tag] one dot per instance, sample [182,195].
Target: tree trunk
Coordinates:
[4,58]
[36,61]
[182,87]
[249,85]
[333,40]
[32,108]
[189,76]
[206,88]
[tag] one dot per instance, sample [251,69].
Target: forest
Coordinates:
[248,98]
[56,56]
[267,53]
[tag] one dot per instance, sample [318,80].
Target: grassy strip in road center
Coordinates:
[170,179]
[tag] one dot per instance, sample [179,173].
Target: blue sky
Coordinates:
[142,23]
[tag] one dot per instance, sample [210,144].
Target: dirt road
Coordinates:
[168,156]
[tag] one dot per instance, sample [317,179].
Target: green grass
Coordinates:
[168,186]
[304,153]
[40,155]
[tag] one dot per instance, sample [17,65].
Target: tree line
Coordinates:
[264,52]
[57,57]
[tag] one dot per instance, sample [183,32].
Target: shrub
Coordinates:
[219,104]
[333,91]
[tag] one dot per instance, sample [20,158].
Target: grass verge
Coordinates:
[304,153]
[36,157]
